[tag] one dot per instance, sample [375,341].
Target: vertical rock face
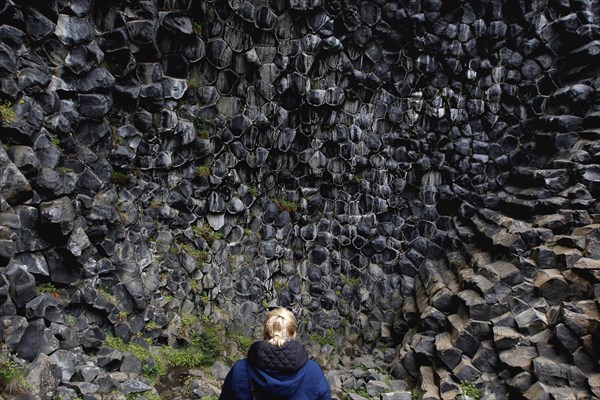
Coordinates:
[416,174]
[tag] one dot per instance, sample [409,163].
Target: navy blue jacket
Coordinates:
[274,373]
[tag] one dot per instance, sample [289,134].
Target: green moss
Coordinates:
[188,320]
[193,82]
[415,393]
[152,325]
[204,299]
[203,351]
[70,320]
[153,366]
[102,292]
[285,205]
[119,178]
[202,126]
[326,338]
[360,391]
[351,281]
[50,289]
[6,113]
[137,350]
[468,388]
[244,342]
[203,170]
[203,348]
[207,233]
[196,27]
[197,254]
[279,284]
[122,315]
[143,396]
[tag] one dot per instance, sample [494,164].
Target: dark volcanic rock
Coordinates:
[74,30]
[15,187]
[417,180]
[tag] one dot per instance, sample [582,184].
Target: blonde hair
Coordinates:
[280,326]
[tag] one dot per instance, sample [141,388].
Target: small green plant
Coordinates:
[54,140]
[204,299]
[285,205]
[119,178]
[362,392]
[102,292]
[197,27]
[202,124]
[468,388]
[209,343]
[279,284]
[153,366]
[204,135]
[351,281]
[122,315]
[244,342]
[50,289]
[197,254]
[207,233]
[70,320]
[12,379]
[415,393]
[195,285]
[64,170]
[193,82]
[253,191]
[183,357]
[150,370]
[6,113]
[203,170]
[143,396]
[203,351]
[187,321]
[326,338]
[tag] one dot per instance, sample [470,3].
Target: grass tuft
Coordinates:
[12,378]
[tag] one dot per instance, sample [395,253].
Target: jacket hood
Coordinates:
[288,358]
[277,371]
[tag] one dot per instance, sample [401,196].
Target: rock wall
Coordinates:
[421,175]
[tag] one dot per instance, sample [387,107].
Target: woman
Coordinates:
[277,367]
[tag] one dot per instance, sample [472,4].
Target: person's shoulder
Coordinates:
[239,365]
[312,366]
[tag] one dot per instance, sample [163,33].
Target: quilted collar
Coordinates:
[287,358]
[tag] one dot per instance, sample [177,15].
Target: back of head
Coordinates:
[280,326]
